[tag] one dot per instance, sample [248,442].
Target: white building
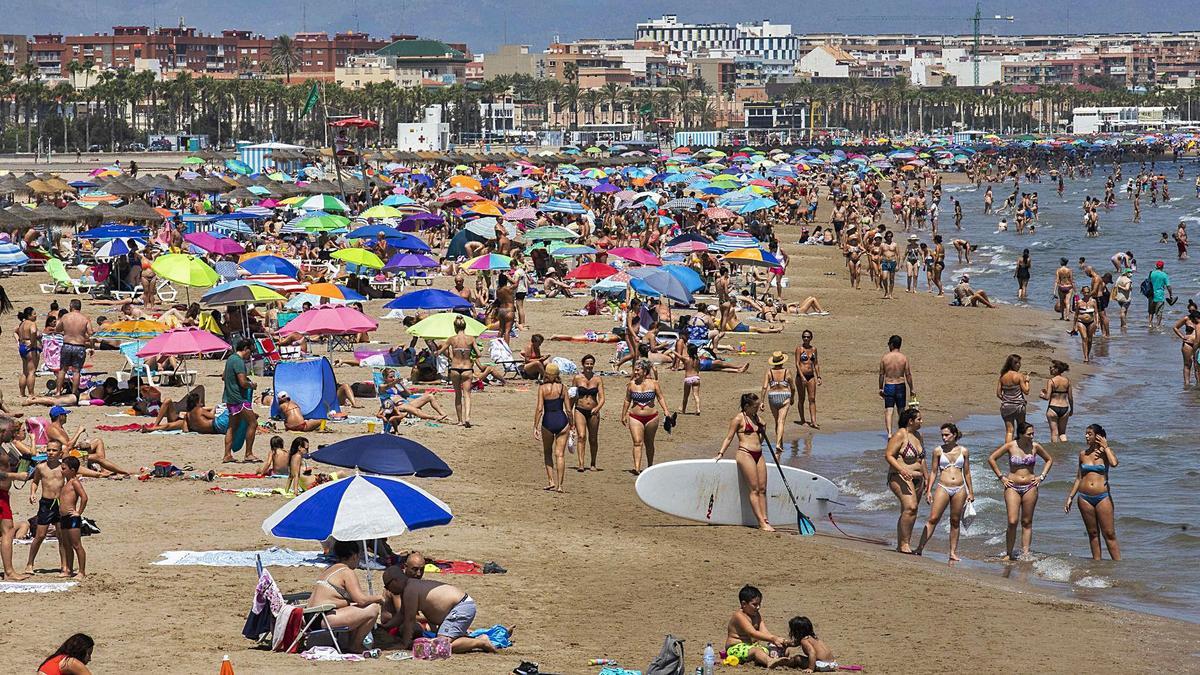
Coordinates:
[1120,118]
[827,61]
[689,39]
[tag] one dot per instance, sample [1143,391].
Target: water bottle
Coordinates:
[710,659]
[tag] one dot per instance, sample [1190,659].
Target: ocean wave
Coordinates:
[1053,569]
[1093,582]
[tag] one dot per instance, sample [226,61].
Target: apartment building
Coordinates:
[14,49]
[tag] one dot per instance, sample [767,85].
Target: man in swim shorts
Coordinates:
[747,632]
[889,256]
[895,382]
[449,610]
[76,330]
[239,401]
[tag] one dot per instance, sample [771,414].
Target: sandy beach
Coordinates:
[594,572]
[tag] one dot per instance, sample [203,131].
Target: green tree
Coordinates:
[285,56]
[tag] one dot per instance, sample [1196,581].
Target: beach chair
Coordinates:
[62,281]
[502,356]
[316,630]
[266,354]
[136,365]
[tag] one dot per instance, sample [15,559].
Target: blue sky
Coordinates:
[483,24]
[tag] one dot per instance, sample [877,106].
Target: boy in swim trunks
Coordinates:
[746,631]
[72,500]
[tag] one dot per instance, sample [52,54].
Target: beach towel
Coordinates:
[498,635]
[52,352]
[252,492]
[23,587]
[271,557]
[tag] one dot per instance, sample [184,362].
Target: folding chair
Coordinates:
[266,353]
[136,365]
[315,618]
[502,356]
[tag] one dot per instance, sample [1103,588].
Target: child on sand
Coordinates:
[72,500]
[746,632]
[806,650]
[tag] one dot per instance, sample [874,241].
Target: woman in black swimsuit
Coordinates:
[1024,264]
[550,425]
[1060,404]
[1085,321]
[907,473]
[460,349]
[589,399]
[808,376]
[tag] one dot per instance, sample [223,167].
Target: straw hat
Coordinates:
[551,372]
[778,359]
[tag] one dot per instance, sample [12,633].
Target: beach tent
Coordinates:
[310,384]
[257,157]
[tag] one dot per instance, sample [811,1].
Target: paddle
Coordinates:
[803,522]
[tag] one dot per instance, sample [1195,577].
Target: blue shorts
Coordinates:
[888,266]
[895,396]
[221,422]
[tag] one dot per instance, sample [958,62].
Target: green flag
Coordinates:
[312,100]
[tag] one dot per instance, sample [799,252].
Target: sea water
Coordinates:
[1137,395]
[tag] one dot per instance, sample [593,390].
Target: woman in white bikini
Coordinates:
[1021,484]
[953,488]
[778,392]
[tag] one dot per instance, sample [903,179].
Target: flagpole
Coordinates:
[337,168]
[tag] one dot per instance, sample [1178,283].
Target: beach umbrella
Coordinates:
[324,203]
[358,256]
[485,208]
[112,231]
[241,293]
[382,211]
[756,257]
[214,244]
[757,204]
[421,221]
[397,200]
[114,248]
[638,255]
[183,342]
[408,242]
[441,326]
[466,182]
[11,255]
[659,282]
[488,261]
[373,231]
[550,233]
[523,213]
[323,222]
[563,206]
[185,269]
[384,454]
[593,270]
[330,320]
[429,298]
[238,167]
[192,160]
[269,264]
[560,250]
[334,292]
[686,275]
[688,247]
[133,329]
[357,508]
[408,261]
[279,282]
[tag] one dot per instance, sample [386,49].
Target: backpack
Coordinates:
[1147,288]
[670,660]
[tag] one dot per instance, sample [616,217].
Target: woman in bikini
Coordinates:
[589,399]
[953,488]
[1024,265]
[1095,498]
[1085,321]
[912,264]
[551,422]
[338,586]
[778,391]
[29,347]
[748,429]
[907,473]
[643,398]
[1187,330]
[691,378]
[506,307]
[1021,484]
[1011,389]
[460,349]
[808,376]
[1060,403]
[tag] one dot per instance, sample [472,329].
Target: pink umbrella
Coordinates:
[268,203]
[523,213]
[688,247]
[638,255]
[330,320]
[183,342]
[213,244]
[279,282]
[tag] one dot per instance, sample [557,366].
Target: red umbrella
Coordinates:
[330,320]
[593,270]
[356,122]
[638,255]
[279,282]
[718,213]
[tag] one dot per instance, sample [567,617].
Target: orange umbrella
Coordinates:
[486,207]
[467,182]
[253,254]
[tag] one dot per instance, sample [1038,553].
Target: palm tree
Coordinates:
[63,92]
[612,93]
[570,96]
[590,99]
[285,56]
[683,86]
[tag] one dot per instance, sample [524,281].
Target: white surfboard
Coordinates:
[714,492]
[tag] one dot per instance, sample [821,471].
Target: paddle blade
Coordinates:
[805,524]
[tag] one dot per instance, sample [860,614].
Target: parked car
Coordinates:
[94,147]
[136,147]
[161,145]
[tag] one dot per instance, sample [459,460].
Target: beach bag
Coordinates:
[669,660]
[1147,288]
[435,649]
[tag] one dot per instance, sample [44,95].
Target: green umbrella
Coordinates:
[193,160]
[358,256]
[382,212]
[185,269]
[322,223]
[550,233]
[441,326]
[324,203]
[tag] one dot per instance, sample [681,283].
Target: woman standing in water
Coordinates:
[748,430]
[1021,484]
[953,487]
[1011,389]
[1060,403]
[1024,266]
[589,399]
[643,398]
[1187,330]
[907,473]
[778,391]
[808,376]
[1086,311]
[1095,500]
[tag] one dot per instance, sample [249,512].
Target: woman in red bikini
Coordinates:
[643,398]
[748,429]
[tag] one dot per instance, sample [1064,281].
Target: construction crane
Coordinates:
[977,19]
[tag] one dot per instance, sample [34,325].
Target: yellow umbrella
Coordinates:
[358,256]
[293,200]
[486,207]
[382,212]
[185,269]
[441,326]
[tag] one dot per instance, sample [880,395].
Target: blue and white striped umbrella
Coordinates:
[114,248]
[357,508]
[11,255]
[563,206]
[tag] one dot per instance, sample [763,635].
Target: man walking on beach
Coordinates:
[895,382]
[76,330]
[1161,284]
[237,397]
[889,257]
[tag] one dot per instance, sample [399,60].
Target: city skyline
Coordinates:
[485,24]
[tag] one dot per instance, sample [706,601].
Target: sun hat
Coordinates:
[778,359]
[912,237]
